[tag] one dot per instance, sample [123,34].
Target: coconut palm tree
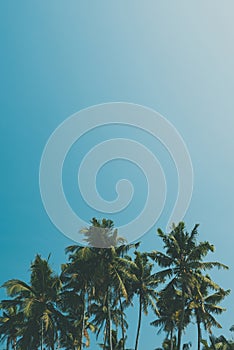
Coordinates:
[78,285]
[117,344]
[166,345]
[143,285]
[37,301]
[205,306]
[183,263]
[10,323]
[111,274]
[102,269]
[218,343]
[100,320]
[169,309]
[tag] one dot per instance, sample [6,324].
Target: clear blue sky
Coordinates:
[58,57]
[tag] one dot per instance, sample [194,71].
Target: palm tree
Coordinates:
[169,304]
[143,285]
[10,323]
[166,345]
[100,320]
[111,274]
[218,343]
[117,344]
[183,263]
[78,284]
[37,301]
[105,281]
[205,305]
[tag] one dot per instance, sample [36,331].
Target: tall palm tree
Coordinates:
[205,305]
[105,269]
[111,274]
[100,320]
[37,302]
[78,284]
[169,304]
[143,286]
[183,263]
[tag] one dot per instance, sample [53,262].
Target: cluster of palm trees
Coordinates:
[97,285]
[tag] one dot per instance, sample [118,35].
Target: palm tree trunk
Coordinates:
[122,321]
[42,334]
[139,323]
[198,335]
[181,320]
[105,338]
[83,318]
[14,344]
[179,338]
[53,339]
[109,320]
[171,339]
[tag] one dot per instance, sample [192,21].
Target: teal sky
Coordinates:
[58,57]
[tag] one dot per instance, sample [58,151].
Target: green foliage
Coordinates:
[218,343]
[97,285]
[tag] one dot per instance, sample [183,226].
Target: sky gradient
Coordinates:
[59,57]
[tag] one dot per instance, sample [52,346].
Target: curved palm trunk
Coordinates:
[139,323]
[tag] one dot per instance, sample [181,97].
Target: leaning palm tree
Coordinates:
[37,301]
[183,263]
